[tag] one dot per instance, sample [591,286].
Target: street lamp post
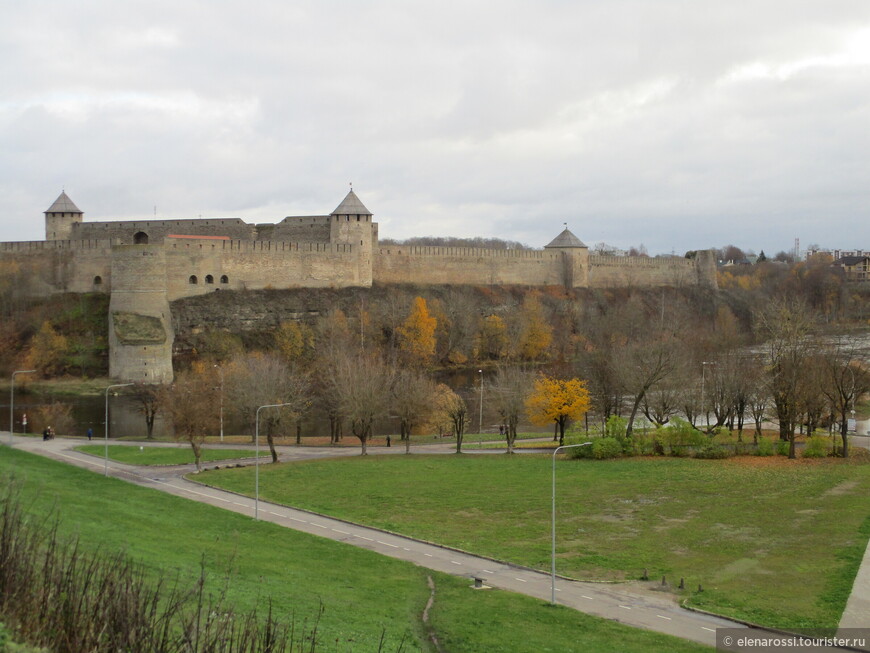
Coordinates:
[106,429]
[704,365]
[480,418]
[257,457]
[221,371]
[12,401]
[553,522]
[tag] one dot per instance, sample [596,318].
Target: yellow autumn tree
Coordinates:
[557,400]
[537,334]
[417,334]
[492,338]
[48,349]
[294,340]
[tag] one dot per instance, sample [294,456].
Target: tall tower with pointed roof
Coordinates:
[575,258]
[351,224]
[60,218]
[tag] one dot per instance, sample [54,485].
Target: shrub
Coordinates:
[714,452]
[615,427]
[781,448]
[765,447]
[581,452]
[817,446]
[605,448]
[639,444]
[679,438]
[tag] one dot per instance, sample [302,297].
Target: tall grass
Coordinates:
[54,595]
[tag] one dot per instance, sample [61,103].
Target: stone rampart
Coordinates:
[65,265]
[156,230]
[467,265]
[196,267]
[312,229]
[41,246]
[626,271]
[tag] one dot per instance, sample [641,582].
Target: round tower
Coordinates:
[140,323]
[60,218]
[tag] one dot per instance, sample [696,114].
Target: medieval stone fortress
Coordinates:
[146,264]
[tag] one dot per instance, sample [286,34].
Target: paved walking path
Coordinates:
[635,607]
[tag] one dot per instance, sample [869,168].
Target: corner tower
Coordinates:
[60,218]
[575,259]
[351,224]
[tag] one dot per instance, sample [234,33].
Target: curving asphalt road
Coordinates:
[634,607]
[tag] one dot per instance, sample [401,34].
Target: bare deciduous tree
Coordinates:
[194,406]
[643,364]
[846,381]
[786,327]
[254,380]
[413,396]
[454,410]
[508,392]
[362,385]
[147,397]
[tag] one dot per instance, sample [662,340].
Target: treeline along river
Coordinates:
[126,421]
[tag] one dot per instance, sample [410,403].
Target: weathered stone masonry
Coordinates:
[145,264]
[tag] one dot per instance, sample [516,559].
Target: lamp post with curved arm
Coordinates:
[553,522]
[220,370]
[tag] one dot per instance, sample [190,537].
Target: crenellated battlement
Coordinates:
[640,261]
[36,246]
[470,252]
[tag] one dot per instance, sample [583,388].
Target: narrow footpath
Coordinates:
[643,609]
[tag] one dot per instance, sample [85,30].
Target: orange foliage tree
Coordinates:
[417,334]
[557,400]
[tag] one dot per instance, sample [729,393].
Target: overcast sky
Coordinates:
[678,124]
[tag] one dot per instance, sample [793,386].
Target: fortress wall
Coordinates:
[623,271]
[41,246]
[157,230]
[311,229]
[65,265]
[257,265]
[467,265]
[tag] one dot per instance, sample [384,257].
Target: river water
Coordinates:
[125,420]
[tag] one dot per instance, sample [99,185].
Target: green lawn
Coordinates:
[770,540]
[145,455]
[364,594]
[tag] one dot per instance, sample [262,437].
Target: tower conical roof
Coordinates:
[351,205]
[566,239]
[63,204]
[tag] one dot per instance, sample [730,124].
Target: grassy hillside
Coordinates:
[363,594]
